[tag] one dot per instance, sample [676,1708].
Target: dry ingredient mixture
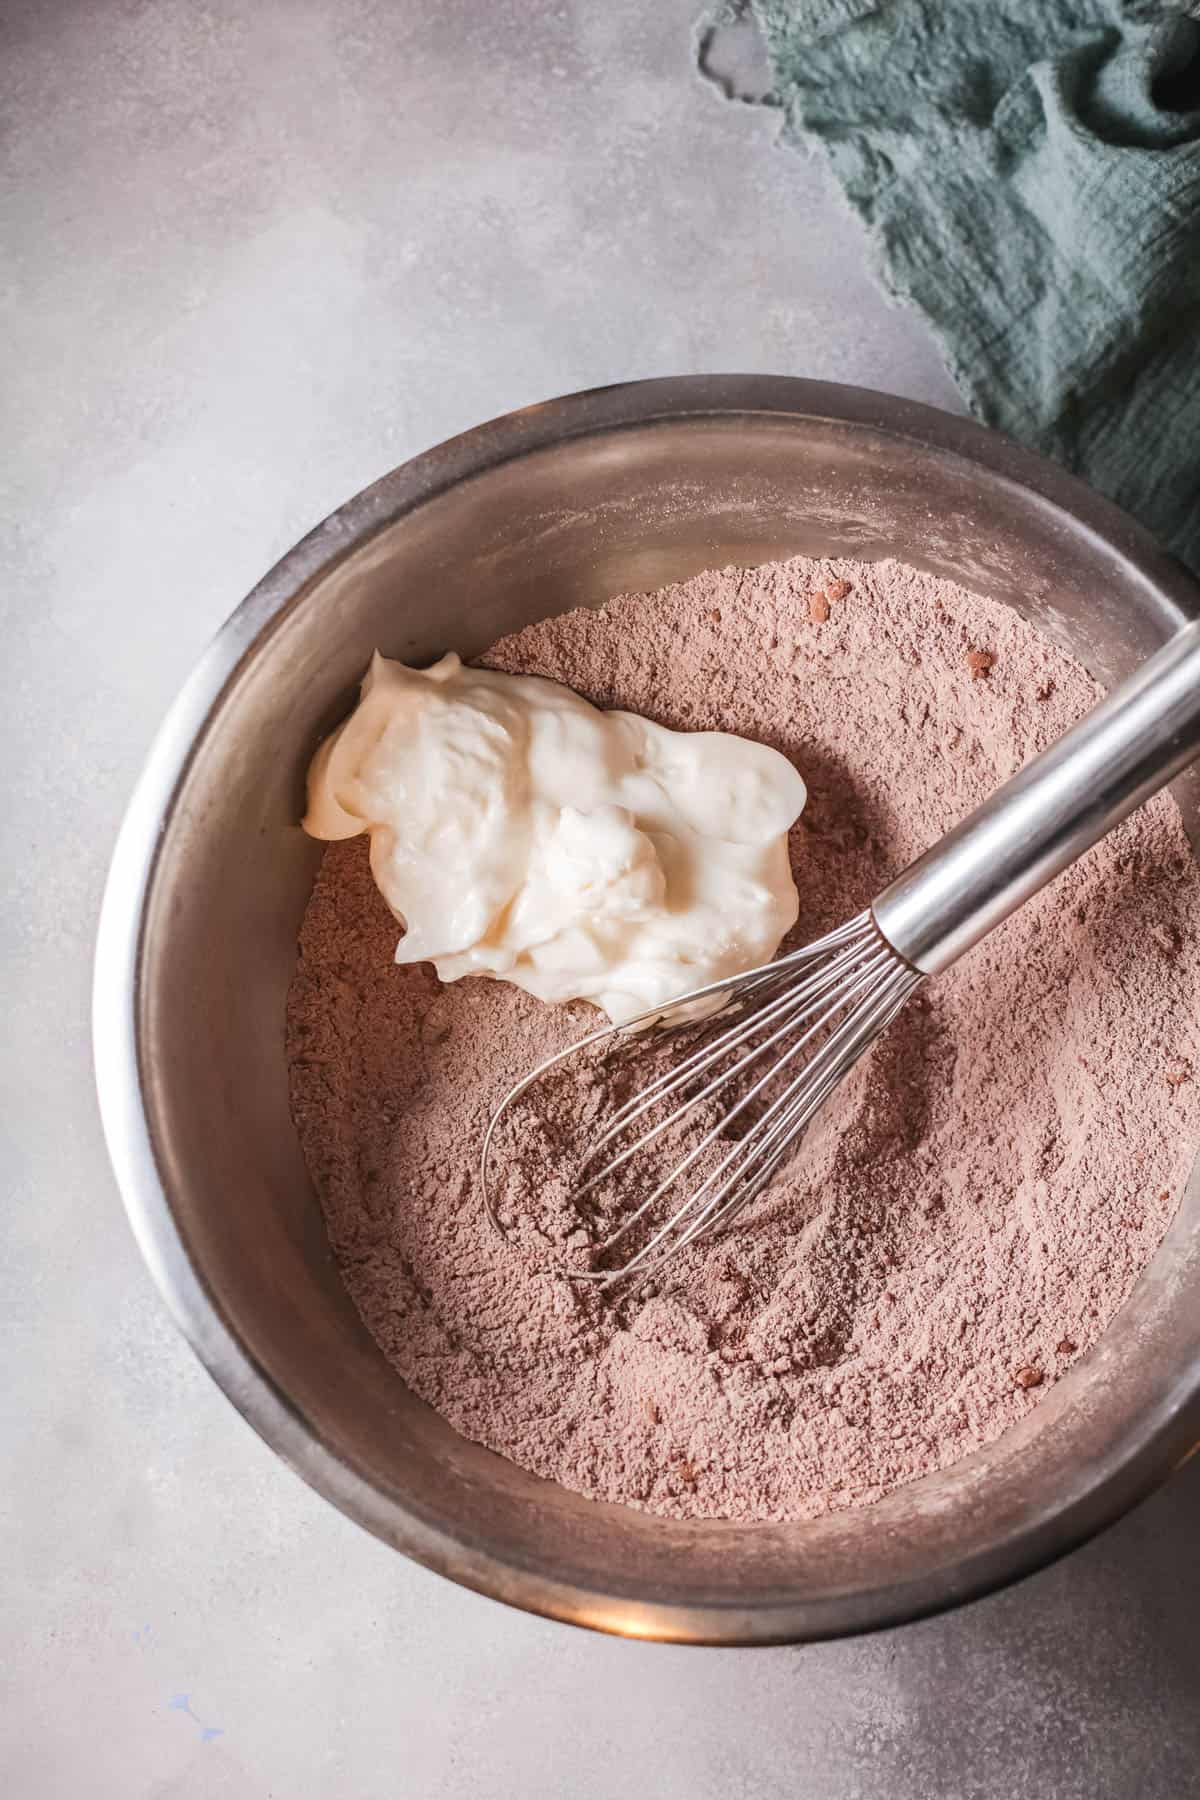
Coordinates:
[960,1223]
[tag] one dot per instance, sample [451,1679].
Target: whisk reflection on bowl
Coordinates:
[747,1056]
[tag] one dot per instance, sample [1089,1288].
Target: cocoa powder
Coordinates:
[959,1224]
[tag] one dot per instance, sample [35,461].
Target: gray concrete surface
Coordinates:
[255,252]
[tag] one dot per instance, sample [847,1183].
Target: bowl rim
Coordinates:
[1115,1481]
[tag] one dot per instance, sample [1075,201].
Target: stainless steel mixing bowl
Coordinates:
[557,506]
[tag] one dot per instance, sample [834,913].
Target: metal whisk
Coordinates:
[785,1035]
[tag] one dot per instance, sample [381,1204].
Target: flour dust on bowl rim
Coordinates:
[563,505]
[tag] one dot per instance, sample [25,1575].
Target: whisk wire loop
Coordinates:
[836,994]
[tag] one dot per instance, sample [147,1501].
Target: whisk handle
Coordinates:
[1143,733]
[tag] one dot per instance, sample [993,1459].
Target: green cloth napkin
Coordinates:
[1029,174]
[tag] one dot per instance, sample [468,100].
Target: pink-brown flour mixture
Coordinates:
[958,1226]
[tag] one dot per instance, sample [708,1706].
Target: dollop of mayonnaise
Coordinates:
[518,831]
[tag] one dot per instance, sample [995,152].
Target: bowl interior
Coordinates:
[451,560]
